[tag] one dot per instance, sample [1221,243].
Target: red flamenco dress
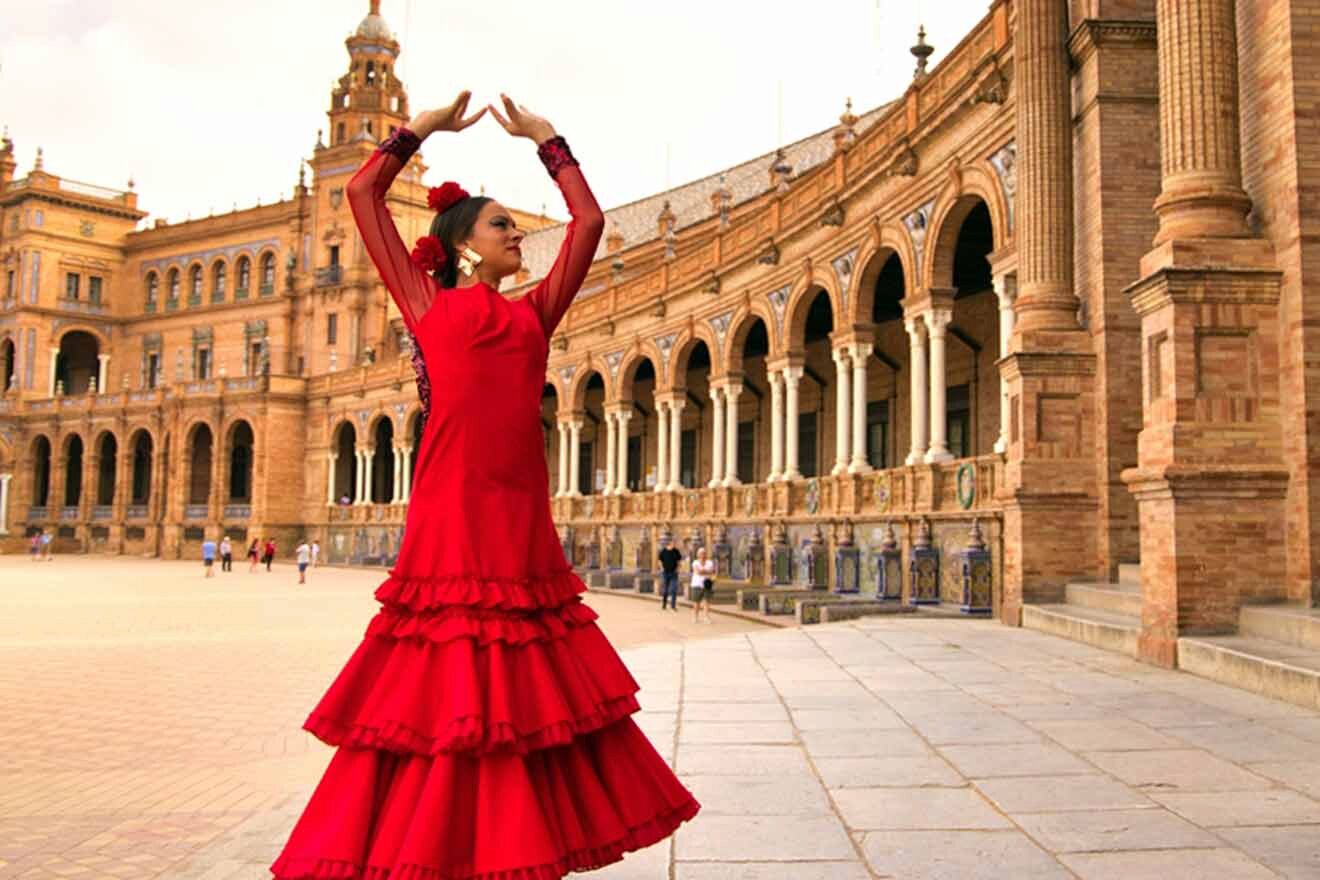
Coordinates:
[482,727]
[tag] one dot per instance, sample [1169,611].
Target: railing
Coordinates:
[195,511]
[329,275]
[103,511]
[171,305]
[149,307]
[89,189]
[240,293]
[69,512]
[17,184]
[136,511]
[36,512]
[267,289]
[85,307]
[238,511]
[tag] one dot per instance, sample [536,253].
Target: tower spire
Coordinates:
[375,7]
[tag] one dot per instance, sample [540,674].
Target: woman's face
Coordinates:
[496,237]
[701,554]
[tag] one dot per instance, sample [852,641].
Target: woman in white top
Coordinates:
[703,584]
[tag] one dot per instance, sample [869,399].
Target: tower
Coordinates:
[369,102]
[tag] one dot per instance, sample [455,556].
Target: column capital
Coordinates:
[624,415]
[916,327]
[1005,286]
[859,351]
[793,373]
[671,395]
[937,320]
[779,364]
[727,382]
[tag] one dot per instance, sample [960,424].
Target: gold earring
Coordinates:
[468,260]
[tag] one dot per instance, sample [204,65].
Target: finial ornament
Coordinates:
[922,50]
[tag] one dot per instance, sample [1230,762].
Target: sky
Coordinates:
[211,105]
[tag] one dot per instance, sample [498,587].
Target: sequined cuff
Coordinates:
[556,155]
[402,144]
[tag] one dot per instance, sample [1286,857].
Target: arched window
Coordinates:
[173,301]
[219,274]
[244,277]
[371,73]
[267,274]
[195,286]
[153,291]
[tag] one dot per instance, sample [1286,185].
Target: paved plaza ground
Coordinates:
[149,726]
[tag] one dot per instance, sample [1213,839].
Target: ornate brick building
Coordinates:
[1049,299]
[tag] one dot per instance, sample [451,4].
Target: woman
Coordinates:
[703,584]
[253,555]
[483,725]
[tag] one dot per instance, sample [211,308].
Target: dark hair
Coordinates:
[451,226]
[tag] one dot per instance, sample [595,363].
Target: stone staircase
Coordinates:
[1106,616]
[1275,652]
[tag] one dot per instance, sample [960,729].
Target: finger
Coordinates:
[499,118]
[510,107]
[472,119]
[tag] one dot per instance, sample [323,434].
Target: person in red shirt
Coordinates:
[269,556]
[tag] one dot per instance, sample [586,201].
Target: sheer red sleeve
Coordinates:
[552,297]
[412,289]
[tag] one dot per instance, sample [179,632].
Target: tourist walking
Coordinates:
[669,559]
[316,553]
[268,555]
[35,548]
[226,554]
[208,557]
[526,764]
[47,552]
[703,585]
[304,556]
[254,555]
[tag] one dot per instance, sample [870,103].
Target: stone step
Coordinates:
[1129,573]
[1289,624]
[1118,598]
[1264,666]
[1091,626]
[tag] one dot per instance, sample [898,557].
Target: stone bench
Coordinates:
[856,608]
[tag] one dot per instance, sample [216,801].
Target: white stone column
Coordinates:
[792,375]
[936,321]
[330,480]
[717,437]
[676,444]
[407,473]
[917,367]
[731,393]
[575,458]
[621,486]
[4,503]
[842,408]
[611,452]
[102,373]
[860,353]
[776,427]
[54,361]
[1005,290]
[369,456]
[398,475]
[661,447]
[561,484]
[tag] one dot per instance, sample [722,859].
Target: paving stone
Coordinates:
[980,728]
[875,718]
[771,871]
[1275,807]
[790,795]
[959,855]
[1301,775]
[1014,759]
[763,839]
[907,771]
[705,760]
[877,809]
[736,732]
[1292,850]
[1229,864]
[1101,830]
[734,712]
[863,743]
[1176,770]
[1245,742]
[1108,734]
[1043,794]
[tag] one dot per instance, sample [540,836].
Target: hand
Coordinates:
[446,118]
[521,123]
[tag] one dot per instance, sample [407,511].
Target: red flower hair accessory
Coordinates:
[429,254]
[443,197]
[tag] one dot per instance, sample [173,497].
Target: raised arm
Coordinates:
[411,288]
[552,297]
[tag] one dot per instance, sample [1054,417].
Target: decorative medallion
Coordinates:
[749,501]
[813,495]
[917,224]
[721,325]
[612,360]
[87,228]
[966,485]
[1004,161]
[843,270]
[566,373]
[363,415]
[779,302]
[883,491]
[590,506]
[666,344]
[693,502]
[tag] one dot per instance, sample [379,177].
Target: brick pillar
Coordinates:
[1210,482]
[1201,194]
[1049,491]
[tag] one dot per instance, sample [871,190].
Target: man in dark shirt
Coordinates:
[669,558]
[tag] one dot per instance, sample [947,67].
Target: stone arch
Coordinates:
[42,455]
[151,289]
[799,302]
[107,468]
[243,262]
[888,241]
[72,451]
[8,364]
[200,446]
[142,447]
[240,460]
[682,351]
[174,281]
[578,387]
[219,275]
[196,280]
[343,443]
[735,340]
[957,200]
[268,264]
[381,434]
[646,352]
